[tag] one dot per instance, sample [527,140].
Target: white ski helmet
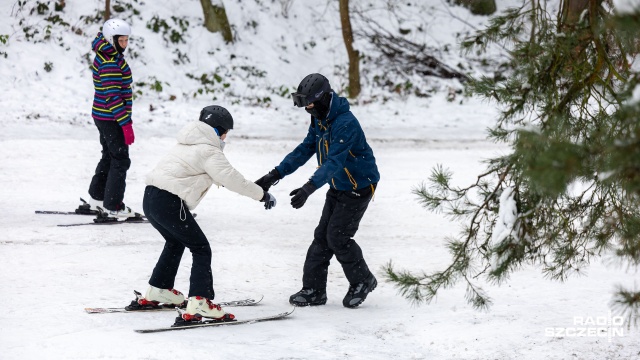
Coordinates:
[114,27]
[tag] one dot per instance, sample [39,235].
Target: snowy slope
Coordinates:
[49,148]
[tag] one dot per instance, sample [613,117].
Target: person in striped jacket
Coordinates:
[111,112]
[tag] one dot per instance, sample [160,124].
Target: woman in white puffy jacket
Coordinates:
[176,186]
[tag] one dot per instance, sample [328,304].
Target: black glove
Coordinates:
[268,200]
[300,195]
[269,180]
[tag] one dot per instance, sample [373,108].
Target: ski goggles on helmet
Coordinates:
[300,100]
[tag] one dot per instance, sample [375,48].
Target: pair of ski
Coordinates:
[181,324]
[102,218]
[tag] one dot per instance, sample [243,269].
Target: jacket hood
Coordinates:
[339,105]
[101,45]
[198,132]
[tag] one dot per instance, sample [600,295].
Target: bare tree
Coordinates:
[107,10]
[215,19]
[354,55]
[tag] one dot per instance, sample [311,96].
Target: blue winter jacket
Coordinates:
[344,157]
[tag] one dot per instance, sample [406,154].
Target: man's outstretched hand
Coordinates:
[300,195]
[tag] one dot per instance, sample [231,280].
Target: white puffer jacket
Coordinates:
[197,162]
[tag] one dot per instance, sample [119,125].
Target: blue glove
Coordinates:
[268,200]
[300,195]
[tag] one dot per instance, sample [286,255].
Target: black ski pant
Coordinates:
[340,219]
[108,183]
[173,220]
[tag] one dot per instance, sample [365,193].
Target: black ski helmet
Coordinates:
[311,89]
[217,117]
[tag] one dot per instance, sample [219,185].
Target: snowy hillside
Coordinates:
[49,148]
[271,55]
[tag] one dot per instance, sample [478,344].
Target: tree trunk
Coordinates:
[107,10]
[479,7]
[571,11]
[215,19]
[354,55]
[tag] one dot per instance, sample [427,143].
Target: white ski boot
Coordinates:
[90,207]
[123,212]
[94,204]
[155,296]
[199,307]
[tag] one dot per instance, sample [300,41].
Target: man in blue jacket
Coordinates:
[346,163]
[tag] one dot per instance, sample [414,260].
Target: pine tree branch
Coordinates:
[626,303]
[410,285]
[574,172]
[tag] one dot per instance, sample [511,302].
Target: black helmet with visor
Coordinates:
[314,88]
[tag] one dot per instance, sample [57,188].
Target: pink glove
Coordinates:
[127,130]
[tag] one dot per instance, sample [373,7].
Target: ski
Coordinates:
[102,217]
[83,209]
[48,212]
[133,220]
[135,307]
[181,324]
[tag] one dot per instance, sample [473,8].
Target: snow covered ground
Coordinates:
[54,272]
[49,148]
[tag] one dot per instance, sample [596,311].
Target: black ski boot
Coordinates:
[358,292]
[308,296]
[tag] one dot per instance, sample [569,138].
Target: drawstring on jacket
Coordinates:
[182,211]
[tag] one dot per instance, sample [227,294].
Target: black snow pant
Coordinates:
[340,219]
[108,183]
[171,217]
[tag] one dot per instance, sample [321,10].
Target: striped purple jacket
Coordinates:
[112,80]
